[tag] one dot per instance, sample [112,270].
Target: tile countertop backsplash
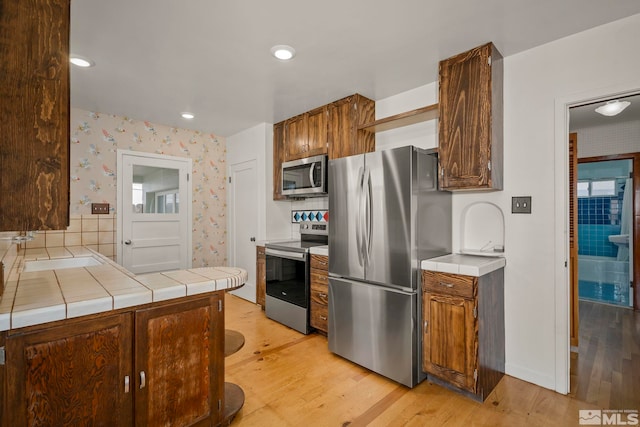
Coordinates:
[468,265]
[37,297]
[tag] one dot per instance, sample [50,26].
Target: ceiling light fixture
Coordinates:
[283,52]
[81,61]
[187,115]
[611,108]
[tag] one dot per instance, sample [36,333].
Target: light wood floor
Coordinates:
[293,380]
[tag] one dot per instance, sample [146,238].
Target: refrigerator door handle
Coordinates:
[359,218]
[369,212]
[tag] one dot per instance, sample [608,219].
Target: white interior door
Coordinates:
[154,212]
[243,226]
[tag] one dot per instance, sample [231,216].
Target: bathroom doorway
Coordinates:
[604,192]
[605,189]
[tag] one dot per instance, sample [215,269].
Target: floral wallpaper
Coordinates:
[95,137]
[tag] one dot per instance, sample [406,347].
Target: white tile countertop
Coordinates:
[468,265]
[319,250]
[35,297]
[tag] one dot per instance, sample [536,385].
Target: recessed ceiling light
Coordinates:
[283,52]
[81,61]
[612,108]
[187,115]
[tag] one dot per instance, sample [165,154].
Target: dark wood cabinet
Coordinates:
[470,122]
[278,158]
[34,106]
[161,365]
[295,137]
[332,129]
[71,375]
[319,312]
[345,116]
[316,132]
[176,348]
[306,135]
[463,330]
[261,276]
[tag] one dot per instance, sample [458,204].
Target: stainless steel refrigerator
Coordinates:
[386,215]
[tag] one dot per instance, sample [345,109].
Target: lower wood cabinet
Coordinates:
[463,330]
[161,365]
[261,276]
[319,312]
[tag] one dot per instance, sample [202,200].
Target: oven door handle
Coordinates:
[298,256]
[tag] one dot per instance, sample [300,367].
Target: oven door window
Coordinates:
[287,280]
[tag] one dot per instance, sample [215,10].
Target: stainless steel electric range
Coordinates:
[288,276]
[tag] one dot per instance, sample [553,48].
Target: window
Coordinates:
[605,187]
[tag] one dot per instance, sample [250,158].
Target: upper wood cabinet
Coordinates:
[332,129]
[34,106]
[278,158]
[306,134]
[345,116]
[470,124]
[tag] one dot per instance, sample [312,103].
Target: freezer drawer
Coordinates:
[375,327]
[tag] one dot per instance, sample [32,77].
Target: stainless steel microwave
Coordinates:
[305,177]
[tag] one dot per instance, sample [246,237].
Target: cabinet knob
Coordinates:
[127,242]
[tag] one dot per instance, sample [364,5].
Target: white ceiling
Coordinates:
[585,115]
[155,59]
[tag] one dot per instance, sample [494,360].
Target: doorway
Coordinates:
[243,226]
[154,212]
[604,182]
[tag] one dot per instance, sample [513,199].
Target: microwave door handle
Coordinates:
[311,180]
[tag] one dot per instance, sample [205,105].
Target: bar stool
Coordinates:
[233,394]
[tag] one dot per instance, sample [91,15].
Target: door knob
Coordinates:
[253,239]
[127,242]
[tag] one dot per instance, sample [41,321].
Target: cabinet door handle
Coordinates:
[323,317]
[143,380]
[126,384]
[426,323]
[448,285]
[322,295]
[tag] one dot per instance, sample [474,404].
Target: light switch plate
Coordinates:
[99,208]
[521,204]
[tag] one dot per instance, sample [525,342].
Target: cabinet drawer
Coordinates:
[319,316]
[320,262]
[319,277]
[319,293]
[449,284]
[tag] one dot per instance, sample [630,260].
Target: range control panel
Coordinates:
[310,227]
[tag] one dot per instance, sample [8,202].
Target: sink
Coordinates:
[58,264]
[621,240]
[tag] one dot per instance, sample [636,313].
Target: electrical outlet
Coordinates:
[99,208]
[521,204]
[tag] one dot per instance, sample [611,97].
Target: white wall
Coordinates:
[273,217]
[539,86]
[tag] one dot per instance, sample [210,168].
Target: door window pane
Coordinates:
[154,190]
